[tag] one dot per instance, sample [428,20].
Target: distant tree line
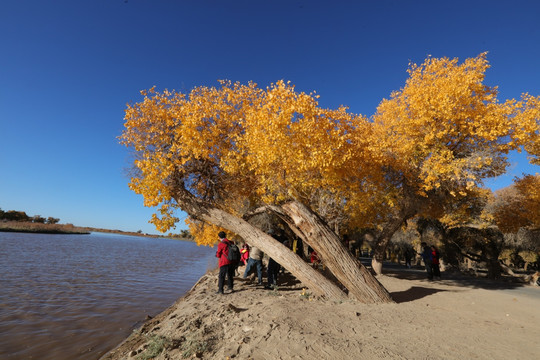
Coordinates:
[13,215]
[183,234]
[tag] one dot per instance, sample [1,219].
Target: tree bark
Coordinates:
[382,243]
[493,250]
[314,280]
[362,285]
[406,212]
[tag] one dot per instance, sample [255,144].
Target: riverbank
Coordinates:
[138,233]
[39,228]
[456,318]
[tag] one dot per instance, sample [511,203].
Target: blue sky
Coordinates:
[68,69]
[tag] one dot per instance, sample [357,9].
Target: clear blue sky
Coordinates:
[68,69]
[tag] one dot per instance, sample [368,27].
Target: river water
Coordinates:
[77,296]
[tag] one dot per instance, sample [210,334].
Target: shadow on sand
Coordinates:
[414,293]
[448,279]
[454,279]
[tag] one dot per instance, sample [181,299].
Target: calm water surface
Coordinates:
[77,296]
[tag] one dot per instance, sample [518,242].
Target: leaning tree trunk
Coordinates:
[254,236]
[362,285]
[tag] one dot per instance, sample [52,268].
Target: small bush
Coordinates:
[193,345]
[155,347]
[306,295]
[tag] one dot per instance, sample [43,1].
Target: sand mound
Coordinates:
[456,318]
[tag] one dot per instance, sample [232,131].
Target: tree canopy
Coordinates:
[438,138]
[427,149]
[517,206]
[239,146]
[445,131]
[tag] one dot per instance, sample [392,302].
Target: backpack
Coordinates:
[234,253]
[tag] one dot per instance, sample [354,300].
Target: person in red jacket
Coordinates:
[244,254]
[315,260]
[226,268]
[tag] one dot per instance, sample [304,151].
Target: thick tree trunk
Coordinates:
[494,269]
[362,285]
[492,250]
[382,243]
[390,228]
[492,261]
[314,280]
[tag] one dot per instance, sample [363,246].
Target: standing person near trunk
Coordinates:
[272,269]
[428,259]
[255,261]
[244,254]
[435,262]
[226,266]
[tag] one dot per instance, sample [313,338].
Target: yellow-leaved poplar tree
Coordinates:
[218,153]
[518,205]
[439,137]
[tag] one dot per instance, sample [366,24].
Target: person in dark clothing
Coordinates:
[272,272]
[272,269]
[435,262]
[428,259]
[408,256]
[226,267]
[299,247]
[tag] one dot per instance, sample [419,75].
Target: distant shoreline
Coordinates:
[39,228]
[30,231]
[132,233]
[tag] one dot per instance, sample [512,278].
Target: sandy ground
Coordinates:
[455,318]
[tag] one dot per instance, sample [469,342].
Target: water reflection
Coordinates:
[77,296]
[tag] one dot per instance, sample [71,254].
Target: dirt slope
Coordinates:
[458,318]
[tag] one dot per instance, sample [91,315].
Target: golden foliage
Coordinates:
[469,210]
[237,146]
[440,136]
[529,188]
[204,234]
[528,132]
[518,205]
[445,128]
[506,211]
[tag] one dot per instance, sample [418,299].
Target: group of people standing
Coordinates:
[430,255]
[251,257]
